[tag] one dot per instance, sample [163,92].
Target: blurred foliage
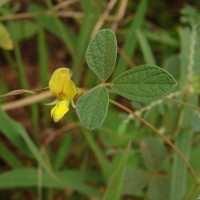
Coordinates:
[123,159]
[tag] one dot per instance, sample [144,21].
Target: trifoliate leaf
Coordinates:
[144,83]
[101,53]
[92,107]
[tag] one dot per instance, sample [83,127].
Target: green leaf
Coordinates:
[63,151]
[184,130]
[92,107]
[143,83]
[5,38]
[115,185]
[72,179]
[135,180]
[99,154]
[145,47]
[20,138]
[162,37]
[172,65]
[9,156]
[2,2]
[153,153]
[9,129]
[22,30]
[159,188]
[184,144]
[196,83]
[101,53]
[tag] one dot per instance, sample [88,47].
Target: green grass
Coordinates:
[123,157]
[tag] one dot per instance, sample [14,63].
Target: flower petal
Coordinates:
[59,110]
[61,85]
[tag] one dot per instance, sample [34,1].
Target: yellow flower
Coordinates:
[62,87]
[59,110]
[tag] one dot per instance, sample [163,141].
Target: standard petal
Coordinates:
[61,85]
[59,110]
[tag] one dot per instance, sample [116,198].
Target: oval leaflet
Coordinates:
[144,83]
[92,107]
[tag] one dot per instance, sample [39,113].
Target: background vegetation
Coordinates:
[127,157]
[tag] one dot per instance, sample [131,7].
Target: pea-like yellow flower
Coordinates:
[62,87]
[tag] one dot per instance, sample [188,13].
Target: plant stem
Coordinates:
[193,172]
[191,196]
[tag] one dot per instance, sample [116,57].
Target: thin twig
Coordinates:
[28,15]
[103,17]
[184,103]
[64,4]
[48,12]
[152,105]
[120,14]
[26,101]
[125,57]
[193,172]
[22,91]
[191,196]
[68,14]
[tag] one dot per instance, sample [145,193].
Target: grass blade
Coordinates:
[145,47]
[55,26]
[189,64]
[84,35]
[66,179]
[183,142]
[129,47]
[43,58]
[115,186]
[63,151]
[105,166]
[9,157]
[18,136]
